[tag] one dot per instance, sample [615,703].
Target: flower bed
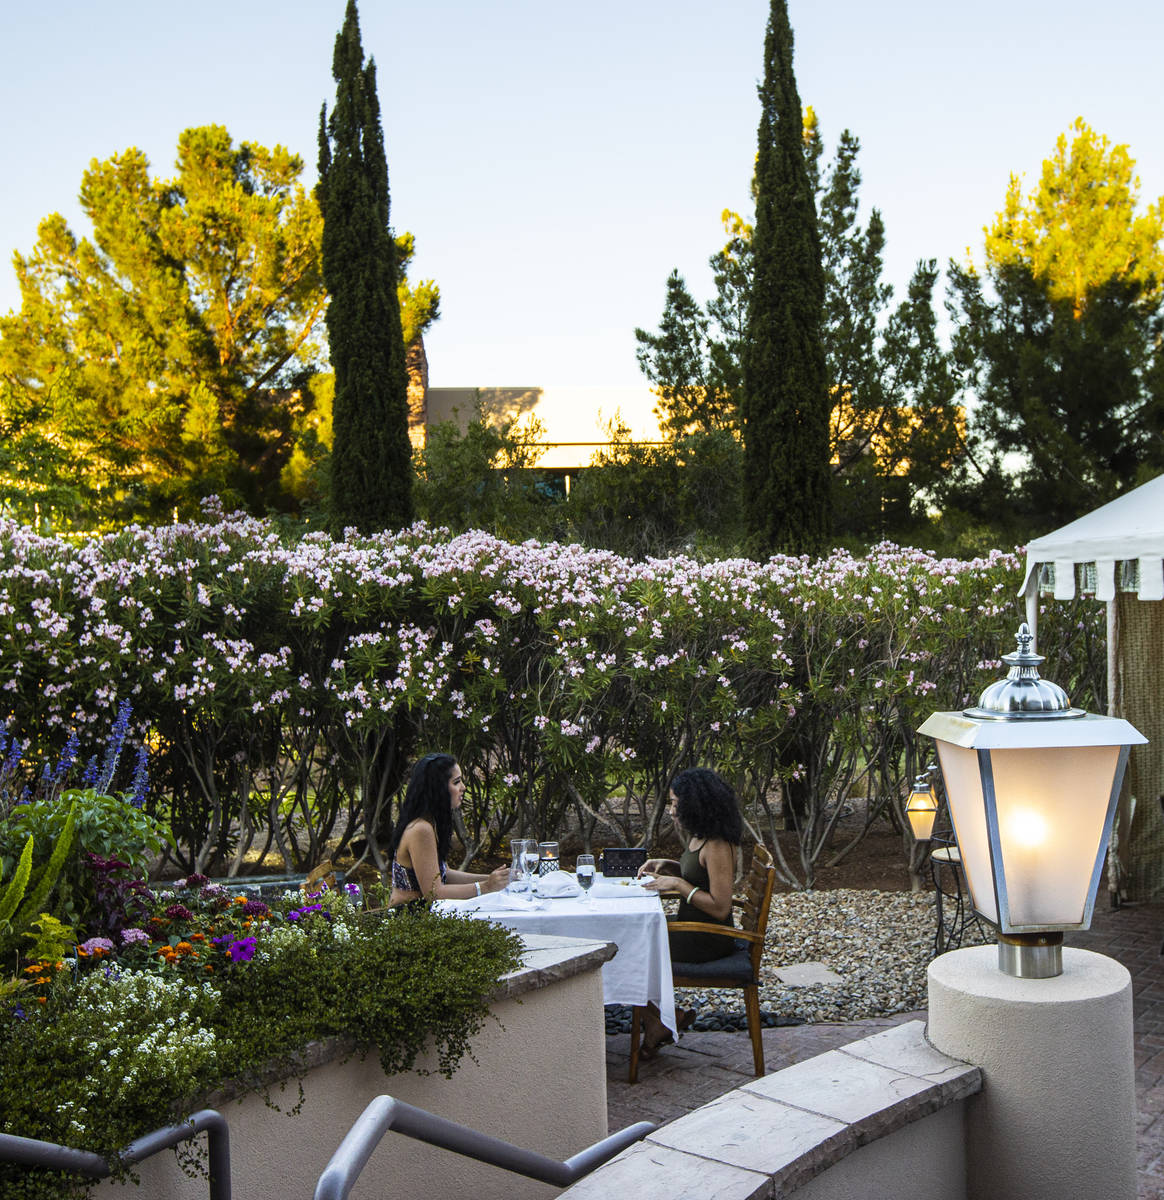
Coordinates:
[209,989]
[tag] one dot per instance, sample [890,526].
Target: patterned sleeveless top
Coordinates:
[404,878]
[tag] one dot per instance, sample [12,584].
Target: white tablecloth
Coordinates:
[638,973]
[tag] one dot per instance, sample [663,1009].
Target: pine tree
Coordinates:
[785,402]
[167,356]
[1060,335]
[371,463]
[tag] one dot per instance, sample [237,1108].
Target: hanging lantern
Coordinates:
[922,807]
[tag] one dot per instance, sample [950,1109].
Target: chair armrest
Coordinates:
[745,935]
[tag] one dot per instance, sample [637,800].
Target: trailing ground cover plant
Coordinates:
[286,684]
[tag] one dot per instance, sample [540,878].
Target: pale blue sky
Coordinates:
[556,161]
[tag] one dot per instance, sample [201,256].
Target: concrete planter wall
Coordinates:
[538,1080]
[880,1119]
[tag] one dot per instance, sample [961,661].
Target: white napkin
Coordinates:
[490,902]
[557,884]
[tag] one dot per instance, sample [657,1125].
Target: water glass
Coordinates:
[584,872]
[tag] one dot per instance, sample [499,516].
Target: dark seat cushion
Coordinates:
[736,967]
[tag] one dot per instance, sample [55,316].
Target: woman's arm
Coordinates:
[653,866]
[419,842]
[715,900]
[493,882]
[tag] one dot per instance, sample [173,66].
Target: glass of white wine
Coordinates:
[584,872]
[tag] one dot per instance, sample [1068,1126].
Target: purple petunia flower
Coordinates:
[242,950]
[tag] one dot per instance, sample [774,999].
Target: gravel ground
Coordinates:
[879,943]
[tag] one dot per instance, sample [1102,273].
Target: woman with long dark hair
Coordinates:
[424,833]
[707,814]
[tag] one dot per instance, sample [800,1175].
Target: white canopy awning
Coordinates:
[1130,527]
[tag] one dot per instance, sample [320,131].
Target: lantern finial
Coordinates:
[1022,695]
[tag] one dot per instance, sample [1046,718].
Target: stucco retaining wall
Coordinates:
[538,1080]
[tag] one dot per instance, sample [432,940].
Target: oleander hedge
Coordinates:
[283,685]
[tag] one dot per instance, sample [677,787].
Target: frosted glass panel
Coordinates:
[964,795]
[1051,812]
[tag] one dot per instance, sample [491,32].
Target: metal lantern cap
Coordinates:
[1022,695]
[1024,711]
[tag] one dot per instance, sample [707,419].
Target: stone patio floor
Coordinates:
[701,1066]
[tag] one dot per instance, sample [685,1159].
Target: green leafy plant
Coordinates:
[14,892]
[51,939]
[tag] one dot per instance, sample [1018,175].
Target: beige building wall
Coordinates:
[574,419]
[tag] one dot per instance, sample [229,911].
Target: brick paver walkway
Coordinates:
[705,1065]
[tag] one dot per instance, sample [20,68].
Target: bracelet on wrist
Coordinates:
[691,894]
[477,885]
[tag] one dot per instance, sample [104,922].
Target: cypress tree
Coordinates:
[371,459]
[785,401]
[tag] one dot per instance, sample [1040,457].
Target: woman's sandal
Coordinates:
[650,1045]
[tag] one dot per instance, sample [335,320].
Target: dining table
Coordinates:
[618,911]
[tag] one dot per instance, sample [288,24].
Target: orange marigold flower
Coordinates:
[198,937]
[34,969]
[42,999]
[183,948]
[240,900]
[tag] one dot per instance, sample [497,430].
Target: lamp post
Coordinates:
[922,807]
[1032,785]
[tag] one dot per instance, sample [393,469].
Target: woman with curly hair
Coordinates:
[705,810]
[424,833]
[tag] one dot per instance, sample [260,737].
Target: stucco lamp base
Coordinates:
[1057,1113]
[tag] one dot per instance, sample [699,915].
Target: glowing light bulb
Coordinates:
[1028,828]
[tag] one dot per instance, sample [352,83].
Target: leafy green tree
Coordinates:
[648,499]
[785,398]
[1060,336]
[484,477]
[163,359]
[371,459]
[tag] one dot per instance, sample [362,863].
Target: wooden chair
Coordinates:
[740,969]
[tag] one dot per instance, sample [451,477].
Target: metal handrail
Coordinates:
[30,1152]
[386,1112]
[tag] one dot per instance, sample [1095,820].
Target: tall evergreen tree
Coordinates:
[371,463]
[785,402]
[1060,336]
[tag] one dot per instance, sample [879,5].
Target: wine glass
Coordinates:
[530,857]
[584,872]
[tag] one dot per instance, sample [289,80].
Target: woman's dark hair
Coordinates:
[707,806]
[427,798]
